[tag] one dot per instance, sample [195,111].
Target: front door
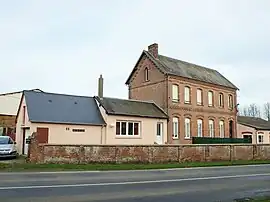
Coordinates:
[159,133]
[25,147]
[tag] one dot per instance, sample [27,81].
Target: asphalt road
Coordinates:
[187,185]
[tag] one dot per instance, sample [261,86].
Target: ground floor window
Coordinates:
[260,138]
[128,128]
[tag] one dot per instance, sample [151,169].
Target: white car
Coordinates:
[8,147]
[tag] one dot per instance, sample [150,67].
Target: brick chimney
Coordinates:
[153,49]
[100,87]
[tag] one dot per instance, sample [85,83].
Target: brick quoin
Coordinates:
[159,89]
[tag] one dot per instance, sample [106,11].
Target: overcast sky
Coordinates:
[63,46]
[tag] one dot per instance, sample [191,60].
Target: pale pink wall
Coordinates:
[242,128]
[58,133]
[147,129]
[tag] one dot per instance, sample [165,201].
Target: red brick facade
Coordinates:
[158,88]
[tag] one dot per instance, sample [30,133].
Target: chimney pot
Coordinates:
[100,87]
[153,49]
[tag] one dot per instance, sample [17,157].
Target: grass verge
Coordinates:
[92,167]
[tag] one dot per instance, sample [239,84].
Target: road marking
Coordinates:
[129,171]
[133,182]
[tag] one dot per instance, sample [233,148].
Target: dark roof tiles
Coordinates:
[58,108]
[254,122]
[116,106]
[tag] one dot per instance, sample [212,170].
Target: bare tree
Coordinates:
[244,111]
[266,111]
[254,110]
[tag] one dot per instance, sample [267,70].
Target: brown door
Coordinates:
[42,135]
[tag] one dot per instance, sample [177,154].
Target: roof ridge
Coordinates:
[70,95]
[132,100]
[14,92]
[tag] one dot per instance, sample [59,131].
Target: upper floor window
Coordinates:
[221,100]
[187,128]
[221,129]
[200,126]
[211,128]
[175,93]
[210,98]
[127,128]
[187,94]
[146,74]
[199,97]
[230,101]
[175,128]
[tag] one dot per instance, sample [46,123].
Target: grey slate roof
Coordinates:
[116,106]
[181,68]
[58,108]
[257,123]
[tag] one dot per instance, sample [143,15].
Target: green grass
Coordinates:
[257,199]
[124,166]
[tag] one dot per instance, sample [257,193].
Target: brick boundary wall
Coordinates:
[83,154]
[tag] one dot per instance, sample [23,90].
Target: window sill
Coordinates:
[175,101]
[175,138]
[199,104]
[128,137]
[187,138]
[188,103]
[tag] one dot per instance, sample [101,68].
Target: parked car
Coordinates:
[8,147]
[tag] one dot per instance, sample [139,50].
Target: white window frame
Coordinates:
[221,100]
[210,98]
[175,93]
[199,97]
[258,136]
[187,94]
[221,129]
[175,128]
[211,129]
[200,129]
[160,126]
[146,74]
[230,101]
[187,128]
[127,127]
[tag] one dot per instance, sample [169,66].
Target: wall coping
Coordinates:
[166,145]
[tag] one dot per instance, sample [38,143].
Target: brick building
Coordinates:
[199,101]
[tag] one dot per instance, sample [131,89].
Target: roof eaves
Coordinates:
[68,123]
[137,115]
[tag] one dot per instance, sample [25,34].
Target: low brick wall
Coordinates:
[80,154]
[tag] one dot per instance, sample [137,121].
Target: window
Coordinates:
[128,128]
[221,129]
[211,128]
[187,94]
[260,138]
[187,128]
[221,100]
[24,114]
[230,102]
[78,130]
[175,128]
[146,74]
[199,97]
[159,129]
[199,125]
[210,98]
[175,93]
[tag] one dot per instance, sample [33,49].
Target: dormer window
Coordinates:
[146,74]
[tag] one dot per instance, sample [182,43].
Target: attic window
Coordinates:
[146,74]
[78,130]
[75,103]
[50,100]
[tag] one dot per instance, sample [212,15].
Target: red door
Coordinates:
[42,135]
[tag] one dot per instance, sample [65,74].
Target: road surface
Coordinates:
[187,185]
